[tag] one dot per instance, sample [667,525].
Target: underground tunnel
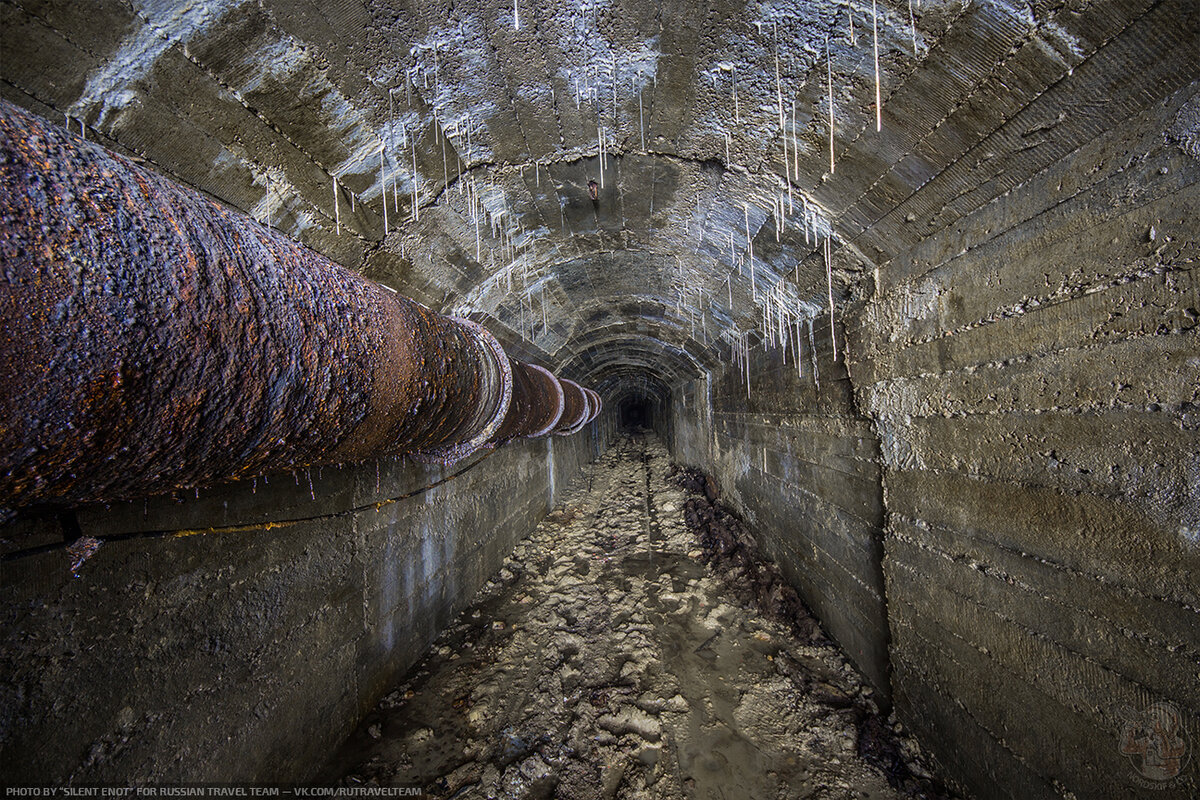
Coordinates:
[601,398]
[636,413]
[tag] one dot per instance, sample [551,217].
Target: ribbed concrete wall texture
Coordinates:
[913,281]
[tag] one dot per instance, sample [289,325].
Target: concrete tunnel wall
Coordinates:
[250,651]
[994,511]
[989,499]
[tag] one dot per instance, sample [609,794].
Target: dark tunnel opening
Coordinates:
[636,413]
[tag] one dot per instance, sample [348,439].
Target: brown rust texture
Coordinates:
[534,400]
[154,340]
[596,403]
[575,410]
[551,400]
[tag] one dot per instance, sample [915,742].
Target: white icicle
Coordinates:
[799,351]
[747,360]
[795,144]
[516,17]
[829,278]
[337,210]
[787,164]
[878,96]
[812,346]
[383,184]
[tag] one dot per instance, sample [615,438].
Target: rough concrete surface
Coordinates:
[605,660]
[247,651]
[934,336]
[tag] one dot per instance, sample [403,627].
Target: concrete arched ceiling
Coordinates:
[446,148]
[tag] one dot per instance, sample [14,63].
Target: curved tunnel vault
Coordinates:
[914,281]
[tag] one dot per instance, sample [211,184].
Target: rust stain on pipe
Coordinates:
[576,408]
[537,400]
[554,399]
[154,340]
[596,405]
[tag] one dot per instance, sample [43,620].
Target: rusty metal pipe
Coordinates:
[154,340]
[576,408]
[555,401]
[537,402]
[596,405]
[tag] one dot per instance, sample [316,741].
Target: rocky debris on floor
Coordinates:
[729,548]
[731,551]
[606,661]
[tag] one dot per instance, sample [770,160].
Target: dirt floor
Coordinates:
[634,646]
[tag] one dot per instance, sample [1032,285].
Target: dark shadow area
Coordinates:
[636,413]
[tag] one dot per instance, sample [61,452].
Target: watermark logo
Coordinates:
[1155,741]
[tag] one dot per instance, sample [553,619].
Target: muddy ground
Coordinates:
[634,646]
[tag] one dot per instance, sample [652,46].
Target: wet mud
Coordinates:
[634,646]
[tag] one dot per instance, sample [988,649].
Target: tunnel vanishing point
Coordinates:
[313,310]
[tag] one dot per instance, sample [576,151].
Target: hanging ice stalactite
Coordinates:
[337,208]
[812,348]
[799,352]
[878,96]
[383,187]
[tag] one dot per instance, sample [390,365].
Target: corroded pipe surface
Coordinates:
[551,389]
[596,405]
[153,340]
[576,408]
[537,400]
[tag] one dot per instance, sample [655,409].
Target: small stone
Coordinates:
[676,704]
[632,720]
[649,754]
[375,731]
